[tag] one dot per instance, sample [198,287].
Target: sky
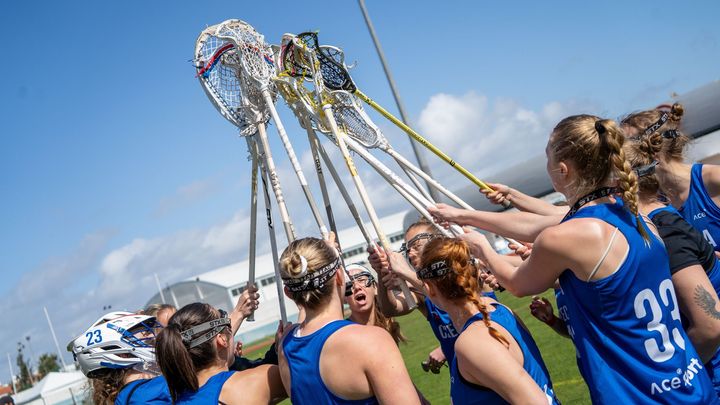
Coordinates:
[115,166]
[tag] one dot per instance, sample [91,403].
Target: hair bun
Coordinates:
[676,112]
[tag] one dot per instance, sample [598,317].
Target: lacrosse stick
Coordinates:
[273,241]
[335,76]
[257,65]
[340,139]
[218,65]
[253,218]
[298,103]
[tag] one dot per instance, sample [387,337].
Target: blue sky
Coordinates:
[108,144]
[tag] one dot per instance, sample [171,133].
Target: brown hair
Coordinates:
[155,309]
[178,363]
[461,284]
[106,385]
[669,148]
[389,324]
[317,253]
[595,146]
[421,222]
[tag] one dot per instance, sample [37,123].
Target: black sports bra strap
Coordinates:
[132,391]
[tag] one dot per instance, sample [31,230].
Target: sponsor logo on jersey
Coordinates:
[699,215]
[682,379]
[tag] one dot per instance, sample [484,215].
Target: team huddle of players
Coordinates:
[631,258]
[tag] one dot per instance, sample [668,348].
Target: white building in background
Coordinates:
[222,287]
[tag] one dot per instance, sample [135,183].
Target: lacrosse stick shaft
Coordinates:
[417,200]
[343,191]
[423,141]
[252,148]
[403,162]
[416,183]
[384,242]
[294,161]
[313,141]
[269,167]
[273,246]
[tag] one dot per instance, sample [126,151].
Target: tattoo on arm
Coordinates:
[705,300]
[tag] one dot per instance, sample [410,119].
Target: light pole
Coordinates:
[12,373]
[417,151]
[57,346]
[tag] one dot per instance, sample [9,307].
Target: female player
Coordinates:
[496,360]
[694,190]
[118,356]
[326,359]
[194,352]
[361,297]
[619,282]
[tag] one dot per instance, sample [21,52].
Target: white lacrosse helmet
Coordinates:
[118,342]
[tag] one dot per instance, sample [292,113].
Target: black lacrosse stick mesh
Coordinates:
[295,63]
[334,74]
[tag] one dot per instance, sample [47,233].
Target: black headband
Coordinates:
[210,328]
[434,270]
[646,170]
[657,124]
[314,280]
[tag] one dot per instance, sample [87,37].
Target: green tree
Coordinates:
[25,380]
[48,362]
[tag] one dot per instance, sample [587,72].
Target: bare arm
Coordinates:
[533,276]
[524,226]
[386,373]
[521,201]
[698,301]
[510,381]
[246,305]
[389,302]
[542,309]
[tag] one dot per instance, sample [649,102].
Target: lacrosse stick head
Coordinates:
[353,121]
[218,66]
[335,75]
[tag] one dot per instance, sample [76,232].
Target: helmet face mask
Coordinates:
[119,343]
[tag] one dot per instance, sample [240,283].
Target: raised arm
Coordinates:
[524,226]
[390,301]
[521,201]
[534,275]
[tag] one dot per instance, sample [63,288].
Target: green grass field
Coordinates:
[557,351]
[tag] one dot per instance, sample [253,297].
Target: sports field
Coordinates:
[557,351]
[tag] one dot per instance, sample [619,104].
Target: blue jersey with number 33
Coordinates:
[700,210]
[630,343]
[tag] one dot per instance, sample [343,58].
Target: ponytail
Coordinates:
[461,283]
[175,361]
[180,364]
[611,135]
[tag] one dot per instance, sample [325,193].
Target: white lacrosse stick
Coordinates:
[258,67]
[214,61]
[218,65]
[300,52]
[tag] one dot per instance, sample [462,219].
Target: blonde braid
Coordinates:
[611,135]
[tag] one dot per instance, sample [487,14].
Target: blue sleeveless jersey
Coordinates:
[713,366]
[303,357]
[700,210]
[152,391]
[630,344]
[209,393]
[464,392]
[443,328]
